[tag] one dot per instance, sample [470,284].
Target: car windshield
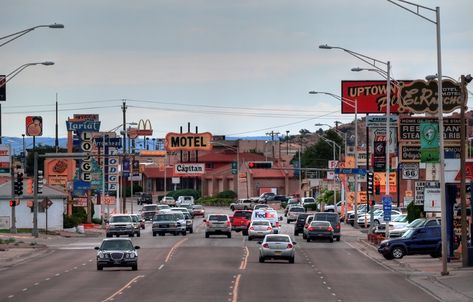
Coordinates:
[118,245]
[163,206]
[319,223]
[277,239]
[260,222]
[242,214]
[297,209]
[149,208]
[197,207]
[416,223]
[135,218]
[163,217]
[179,215]
[401,218]
[120,219]
[408,233]
[309,200]
[218,217]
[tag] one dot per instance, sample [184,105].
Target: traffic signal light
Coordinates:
[39,182]
[18,186]
[260,164]
[377,188]
[29,186]
[13,203]
[370,182]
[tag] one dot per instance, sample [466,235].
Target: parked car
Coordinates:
[169,200]
[277,246]
[198,210]
[120,224]
[218,224]
[187,216]
[421,240]
[416,223]
[399,222]
[291,203]
[241,220]
[181,200]
[307,200]
[300,222]
[378,217]
[148,211]
[145,198]
[168,222]
[293,212]
[266,196]
[117,252]
[242,204]
[334,208]
[319,229]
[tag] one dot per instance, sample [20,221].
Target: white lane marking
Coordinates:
[120,291]
[47,279]
[24,289]
[11,296]
[36,284]
[161,266]
[234,293]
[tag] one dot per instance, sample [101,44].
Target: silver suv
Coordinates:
[121,224]
[218,224]
[169,222]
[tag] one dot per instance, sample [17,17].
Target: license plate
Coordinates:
[277,252]
[165,225]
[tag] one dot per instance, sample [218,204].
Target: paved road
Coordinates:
[191,268]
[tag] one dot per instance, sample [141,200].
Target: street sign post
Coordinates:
[359,171]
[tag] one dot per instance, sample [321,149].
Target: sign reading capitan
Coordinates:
[189,169]
[188,141]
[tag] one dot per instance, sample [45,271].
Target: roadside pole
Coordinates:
[13,209]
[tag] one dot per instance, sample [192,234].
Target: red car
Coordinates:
[241,220]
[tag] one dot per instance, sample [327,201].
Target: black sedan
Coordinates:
[117,252]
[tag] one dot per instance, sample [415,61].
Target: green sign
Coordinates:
[234,167]
[429,142]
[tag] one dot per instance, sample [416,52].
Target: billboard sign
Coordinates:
[410,129]
[34,126]
[188,141]
[5,160]
[189,169]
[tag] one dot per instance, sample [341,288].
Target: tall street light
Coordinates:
[16,35]
[353,104]
[343,135]
[334,145]
[10,76]
[375,64]
[443,201]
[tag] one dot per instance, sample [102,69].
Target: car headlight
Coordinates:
[103,255]
[111,226]
[130,255]
[129,226]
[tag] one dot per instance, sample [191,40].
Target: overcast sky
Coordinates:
[235,68]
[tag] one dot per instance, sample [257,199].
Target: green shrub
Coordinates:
[227,194]
[70,221]
[310,207]
[80,214]
[97,220]
[214,201]
[283,204]
[414,212]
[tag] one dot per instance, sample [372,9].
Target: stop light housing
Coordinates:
[29,186]
[13,203]
[18,185]
[377,188]
[260,165]
[370,182]
[39,182]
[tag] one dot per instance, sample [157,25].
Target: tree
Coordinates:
[40,149]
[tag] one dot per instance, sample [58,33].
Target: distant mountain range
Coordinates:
[17,142]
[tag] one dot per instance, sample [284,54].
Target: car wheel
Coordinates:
[161,234]
[191,231]
[229,235]
[176,233]
[99,267]
[250,238]
[207,235]
[154,234]
[261,259]
[308,239]
[331,239]
[304,236]
[138,234]
[184,233]
[388,257]
[134,267]
[296,233]
[245,208]
[117,235]
[245,232]
[397,252]
[131,235]
[338,238]
[109,235]
[436,254]
[376,222]
[232,208]
[291,260]
[288,221]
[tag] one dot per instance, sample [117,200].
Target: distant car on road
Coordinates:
[182,200]
[148,211]
[218,224]
[145,198]
[294,212]
[259,228]
[319,229]
[168,222]
[277,246]
[120,224]
[169,200]
[241,220]
[198,210]
[114,252]
[242,204]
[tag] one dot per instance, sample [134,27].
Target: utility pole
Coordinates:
[272,133]
[124,107]
[287,142]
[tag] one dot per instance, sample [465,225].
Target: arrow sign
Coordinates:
[359,171]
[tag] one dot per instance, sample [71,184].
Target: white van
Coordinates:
[267,214]
[184,200]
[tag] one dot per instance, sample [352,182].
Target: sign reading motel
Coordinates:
[406,96]
[188,141]
[189,169]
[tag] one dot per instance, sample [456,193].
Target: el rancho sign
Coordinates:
[188,141]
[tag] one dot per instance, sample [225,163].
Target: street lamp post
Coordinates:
[10,76]
[237,150]
[354,105]
[16,35]
[334,145]
[443,201]
[343,135]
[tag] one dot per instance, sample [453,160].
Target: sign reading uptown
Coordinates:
[188,141]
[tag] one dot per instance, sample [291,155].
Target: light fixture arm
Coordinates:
[415,12]
[21,33]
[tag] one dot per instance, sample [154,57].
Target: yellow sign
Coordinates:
[188,141]
[380,177]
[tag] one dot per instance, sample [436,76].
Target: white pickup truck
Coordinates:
[242,204]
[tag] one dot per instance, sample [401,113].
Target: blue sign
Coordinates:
[84,126]
[387,207]
[80,185]
[359,171]
[109,142]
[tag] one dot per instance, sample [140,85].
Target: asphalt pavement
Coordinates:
[421,270]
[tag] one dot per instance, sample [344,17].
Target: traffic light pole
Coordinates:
[35,198]
[13,209]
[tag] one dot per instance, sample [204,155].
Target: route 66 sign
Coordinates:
[410,171]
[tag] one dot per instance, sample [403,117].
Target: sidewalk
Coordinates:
[422,270]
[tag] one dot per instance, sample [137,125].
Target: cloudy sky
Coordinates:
[235,68]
